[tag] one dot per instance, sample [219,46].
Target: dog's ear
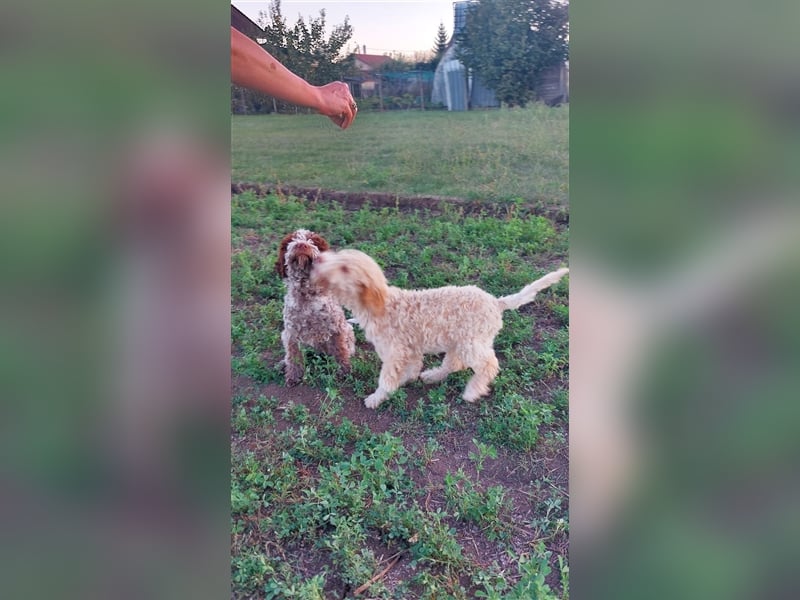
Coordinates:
[373,298]
[320,242]
[280,264]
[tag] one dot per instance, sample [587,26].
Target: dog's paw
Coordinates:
[374,400]
[293,376]
[473,395]
[432,376]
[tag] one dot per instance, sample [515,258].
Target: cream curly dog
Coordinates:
[403,325]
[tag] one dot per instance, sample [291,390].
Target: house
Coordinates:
[366,83]
[370,62]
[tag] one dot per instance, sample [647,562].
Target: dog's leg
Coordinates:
[376,397]
[411,371]
[293,362]
[486,369]
[450,364]
[388,382]
[344,348]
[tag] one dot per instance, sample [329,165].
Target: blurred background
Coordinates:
[685,338]
[114,329]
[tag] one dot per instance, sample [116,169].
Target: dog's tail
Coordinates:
[528,293]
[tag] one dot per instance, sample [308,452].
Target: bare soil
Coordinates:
[356,200]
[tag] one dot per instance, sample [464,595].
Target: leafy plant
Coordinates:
[484,451]
[486,508]
[533,568]
[514,422]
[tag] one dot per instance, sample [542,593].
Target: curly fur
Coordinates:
[311,317]
[403,325]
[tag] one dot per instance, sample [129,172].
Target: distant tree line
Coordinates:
[509,44]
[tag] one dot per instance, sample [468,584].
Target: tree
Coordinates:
[440,45]
[510,43]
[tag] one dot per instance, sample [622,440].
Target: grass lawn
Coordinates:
[426,497]
[494,156]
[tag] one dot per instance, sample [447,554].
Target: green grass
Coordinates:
[496,155]
[456,501]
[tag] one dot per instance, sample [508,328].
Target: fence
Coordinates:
[394,90]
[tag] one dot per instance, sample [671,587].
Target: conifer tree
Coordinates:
[440,45]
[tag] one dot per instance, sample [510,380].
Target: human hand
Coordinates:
[337,103]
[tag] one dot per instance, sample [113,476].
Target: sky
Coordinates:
[391,27]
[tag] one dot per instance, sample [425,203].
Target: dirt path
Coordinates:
[356,200]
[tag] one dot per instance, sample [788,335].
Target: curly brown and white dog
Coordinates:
[403,325]
[311,316]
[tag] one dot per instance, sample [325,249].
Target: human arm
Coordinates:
[255,68]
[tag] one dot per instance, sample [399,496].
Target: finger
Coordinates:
[342,120]
[351,115]
[338,120]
